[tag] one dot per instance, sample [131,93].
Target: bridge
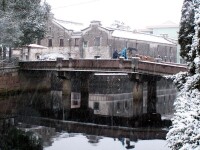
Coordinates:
[69,80]
[106,65]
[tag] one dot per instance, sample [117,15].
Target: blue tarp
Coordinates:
[123,53]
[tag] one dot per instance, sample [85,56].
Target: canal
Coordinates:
[88,128]
[77,141]
[62,140]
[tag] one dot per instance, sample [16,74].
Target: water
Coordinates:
[77,141]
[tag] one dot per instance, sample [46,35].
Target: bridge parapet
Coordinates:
[78,64]
[161,68]
[106,65]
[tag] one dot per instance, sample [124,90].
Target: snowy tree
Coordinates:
[22,21]
[185,131]
[120,25]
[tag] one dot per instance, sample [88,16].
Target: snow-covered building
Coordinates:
[77,41]
[169,30]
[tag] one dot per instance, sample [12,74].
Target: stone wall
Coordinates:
[9,80]
[83,44]
[35,80]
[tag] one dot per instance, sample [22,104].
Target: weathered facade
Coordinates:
[99,41]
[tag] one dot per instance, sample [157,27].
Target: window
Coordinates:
[96,105]
[118,106]
[76,41]
[75,102]
[61,42]
[85,44]
[50,43]
[97,41]
[126,105]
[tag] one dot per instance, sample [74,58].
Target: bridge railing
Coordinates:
[120,65]
[78,64]
[161,68]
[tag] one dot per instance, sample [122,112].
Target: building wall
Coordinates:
[86,46]
[92,49]
[169,32]
[56,33]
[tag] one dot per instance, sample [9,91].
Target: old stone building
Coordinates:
[74,40]
[108,94]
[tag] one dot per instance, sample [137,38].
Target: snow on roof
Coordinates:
[37,46]
[52,56]
[167,24]
[69,25]
[140,37]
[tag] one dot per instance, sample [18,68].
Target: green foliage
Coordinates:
[23,21]
[15,139]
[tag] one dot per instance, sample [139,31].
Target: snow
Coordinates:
[37,46]
[185,131]
[52,56]
[69,25]
[140,37]
[165,24]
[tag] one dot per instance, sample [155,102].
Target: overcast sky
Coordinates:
[135,13]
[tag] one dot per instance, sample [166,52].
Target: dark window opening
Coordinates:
[96,105]
[76,41]
[61,42]
[126,106]
[50,43]
[75,102]
[118,106]
[97,41]
[85,44]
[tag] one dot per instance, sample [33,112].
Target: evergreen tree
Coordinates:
[186,31]
[22,21]
[185,133]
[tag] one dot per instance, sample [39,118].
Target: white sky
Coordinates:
[135,13]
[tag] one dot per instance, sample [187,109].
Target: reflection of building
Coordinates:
[111,95]
[93,138]
[76,41]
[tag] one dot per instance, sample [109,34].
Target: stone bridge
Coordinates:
[71,80]
[106,65]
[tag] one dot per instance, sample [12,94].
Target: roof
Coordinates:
[36,46]
[69,25]
[167,24]
[140,37]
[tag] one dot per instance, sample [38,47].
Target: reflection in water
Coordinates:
[53,140]
[72,141]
